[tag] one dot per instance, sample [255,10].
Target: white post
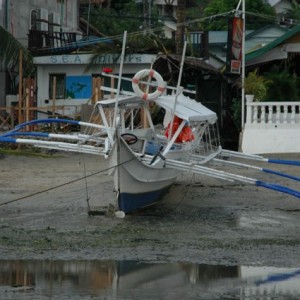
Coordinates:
[249,99]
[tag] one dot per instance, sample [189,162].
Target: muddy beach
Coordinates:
[200,220]
[44,216]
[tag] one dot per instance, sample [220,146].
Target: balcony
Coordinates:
[50,42]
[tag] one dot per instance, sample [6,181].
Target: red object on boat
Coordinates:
[107,70]
[186,134]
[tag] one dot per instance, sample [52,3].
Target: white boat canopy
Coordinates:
[186,108]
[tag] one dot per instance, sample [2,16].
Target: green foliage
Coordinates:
[119,5]
[9,53]
[122,15]
[256,85]
[216,7]
[254,11]
[148,43]
[259,14]
[283,87]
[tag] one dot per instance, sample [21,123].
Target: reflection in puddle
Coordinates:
[32,279]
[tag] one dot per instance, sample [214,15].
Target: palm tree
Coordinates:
[10,51]
[136,43]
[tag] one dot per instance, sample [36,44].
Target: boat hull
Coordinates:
[139,185]
[129,202]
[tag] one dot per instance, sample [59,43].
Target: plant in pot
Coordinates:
[256,85]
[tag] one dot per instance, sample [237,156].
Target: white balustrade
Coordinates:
[272,112]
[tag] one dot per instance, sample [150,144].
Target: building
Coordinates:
[20,16]
[73,84]
[35,23]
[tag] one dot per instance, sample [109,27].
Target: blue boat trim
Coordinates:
[35,134]
[278,188]
[284,162]
[129,202]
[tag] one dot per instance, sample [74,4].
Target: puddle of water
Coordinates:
[34,279]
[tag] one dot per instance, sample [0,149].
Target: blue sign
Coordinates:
[79,87]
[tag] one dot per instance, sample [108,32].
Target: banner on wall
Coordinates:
[79,87]
[234,45]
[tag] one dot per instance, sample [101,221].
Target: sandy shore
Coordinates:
[200,220]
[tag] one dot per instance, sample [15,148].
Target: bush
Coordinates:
[283,86]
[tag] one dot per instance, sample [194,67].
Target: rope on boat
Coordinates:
[86,185]
[66,183]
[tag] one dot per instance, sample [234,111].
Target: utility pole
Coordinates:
[243,63]
[180,15]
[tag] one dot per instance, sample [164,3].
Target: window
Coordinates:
[60,90]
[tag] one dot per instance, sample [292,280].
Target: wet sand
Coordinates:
[201,220]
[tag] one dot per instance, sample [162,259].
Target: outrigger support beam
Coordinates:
[218,174]
[229,153]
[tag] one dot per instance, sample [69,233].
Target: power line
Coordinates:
[198,20]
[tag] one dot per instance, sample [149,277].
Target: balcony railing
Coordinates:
[46,42]
[273,113]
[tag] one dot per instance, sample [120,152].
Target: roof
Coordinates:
[270,46]
[265,31]
[188,61]
[273,2]
[187,108]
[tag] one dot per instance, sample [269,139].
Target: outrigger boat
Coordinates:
[146,158]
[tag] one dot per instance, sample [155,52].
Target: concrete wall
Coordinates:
[281,139]
[271,127]
[15,15]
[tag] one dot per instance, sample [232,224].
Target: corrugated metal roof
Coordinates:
[195,62]
[259,52]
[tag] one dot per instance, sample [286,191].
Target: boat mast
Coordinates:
[120,78]
[116,112]
[178,91]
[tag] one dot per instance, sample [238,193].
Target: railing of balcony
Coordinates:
[274,113]
[43,42]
